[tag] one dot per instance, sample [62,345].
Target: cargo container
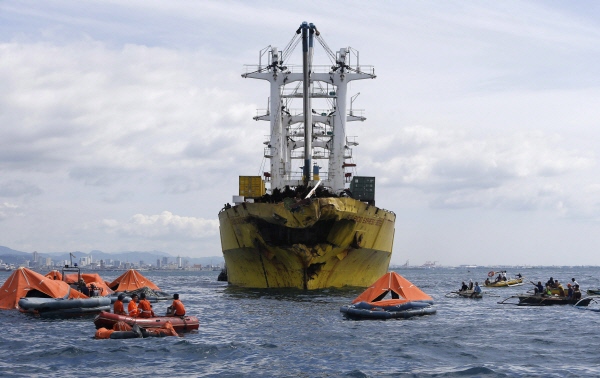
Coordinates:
[252,186]
[363,188]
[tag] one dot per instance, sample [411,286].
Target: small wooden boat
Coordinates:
[465,294]
[593,291]
[180,323]
[60,307]
[544,300]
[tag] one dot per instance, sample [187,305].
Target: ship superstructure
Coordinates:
[313,224]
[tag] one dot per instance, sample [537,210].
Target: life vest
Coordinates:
[145,309]
[118,308]
[178,309]
[103,333]
[132,308]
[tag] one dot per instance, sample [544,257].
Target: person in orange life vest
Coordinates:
[145,307]
[118,308]
[132,307]
[176,309]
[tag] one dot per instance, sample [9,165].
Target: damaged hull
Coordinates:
[311,244]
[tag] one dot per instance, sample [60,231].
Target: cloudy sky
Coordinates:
[124,125]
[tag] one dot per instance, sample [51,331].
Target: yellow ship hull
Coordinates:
[310,244]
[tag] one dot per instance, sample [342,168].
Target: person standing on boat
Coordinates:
[470,284]
[569,291]
[177,308]
[573,282]
[476,290]
[145,307]
[464,287]
[118,307]
[132,308]
[576,293]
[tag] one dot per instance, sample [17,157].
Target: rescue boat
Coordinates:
[63,307]
[406,300]
[180,323]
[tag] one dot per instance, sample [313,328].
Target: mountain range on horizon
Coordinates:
[12,256]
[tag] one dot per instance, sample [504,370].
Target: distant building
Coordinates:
[48,261]
[179,262]
[36,259]
[158,263]
[165,261]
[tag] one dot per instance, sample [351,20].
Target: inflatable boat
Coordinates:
[180,323]
[60,307]
[364,310]
[405,300]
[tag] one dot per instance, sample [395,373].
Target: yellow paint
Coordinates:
[356,251]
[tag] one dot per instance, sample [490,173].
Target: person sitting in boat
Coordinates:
[539,288]
[519,275]
[576,293]
[145,307]
[83,288]
[118,307]
[132,308]
[499,278]
[463,287]
[487,282]
[476,290]
[177,308]
[470,284]
[556,284]
[504,276]
[550,283]
[569,291]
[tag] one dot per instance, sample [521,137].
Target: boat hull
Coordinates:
[59,307]
[536,300]
[513,282]
[364,310]
[313,244]
[180,323]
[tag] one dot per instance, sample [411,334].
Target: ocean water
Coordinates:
[291,333]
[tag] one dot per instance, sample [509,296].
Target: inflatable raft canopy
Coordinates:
[25,283]
[405,300]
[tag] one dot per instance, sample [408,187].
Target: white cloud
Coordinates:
[163,225]
[103,117]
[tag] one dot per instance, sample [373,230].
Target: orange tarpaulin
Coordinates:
[27,283]
[90,278]
[54,275]
[401,290]
[131,280]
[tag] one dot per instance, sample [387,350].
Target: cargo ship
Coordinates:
[309,222]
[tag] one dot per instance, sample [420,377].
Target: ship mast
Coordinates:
[323,133]
[307,52]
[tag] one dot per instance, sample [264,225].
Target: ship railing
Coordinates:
[314,69]
[319,154]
